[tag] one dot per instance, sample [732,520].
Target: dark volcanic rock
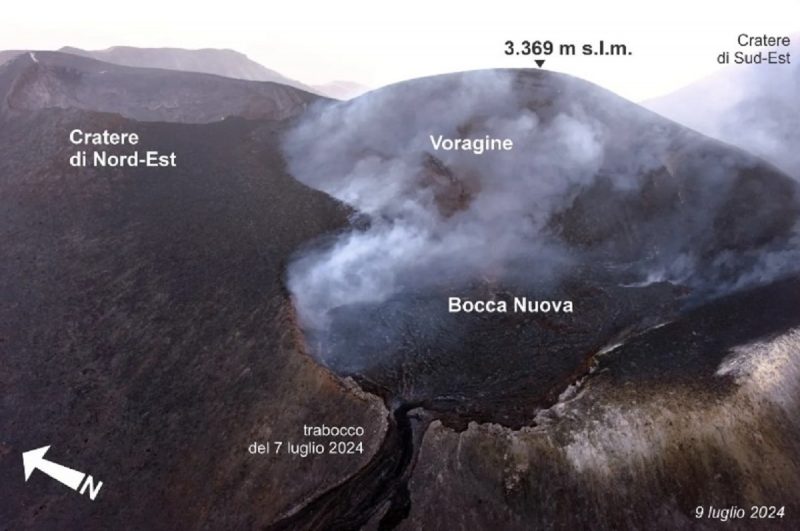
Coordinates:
[228,63]
[528,420]
[8,55]
[145,333]
[484,367]
[659,220]
[699,412]
[41,80]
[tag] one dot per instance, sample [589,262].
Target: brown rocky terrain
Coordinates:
[149,334]
[146,334]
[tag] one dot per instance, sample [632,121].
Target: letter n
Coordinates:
[93,490]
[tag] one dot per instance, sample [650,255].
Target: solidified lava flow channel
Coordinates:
[418,357]
[381,484]
[448,370]
[622,238]
[379,491]
[378,494]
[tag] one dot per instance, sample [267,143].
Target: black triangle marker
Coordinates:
[539,62]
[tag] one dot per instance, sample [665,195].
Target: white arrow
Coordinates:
[34,459]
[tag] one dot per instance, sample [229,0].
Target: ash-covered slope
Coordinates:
[41,80]
[634,220]
[754,107]
[699,413]
[145,333]
[601,203]
[228,63]
[148,334]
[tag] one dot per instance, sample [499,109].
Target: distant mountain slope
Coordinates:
[341,90]
[756,108]
[40,80]
[7,55]
[227,63]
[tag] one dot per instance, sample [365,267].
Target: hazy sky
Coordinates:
[673,42]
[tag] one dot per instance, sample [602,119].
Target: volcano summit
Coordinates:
[291,278]
[601,203]
[650,228]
